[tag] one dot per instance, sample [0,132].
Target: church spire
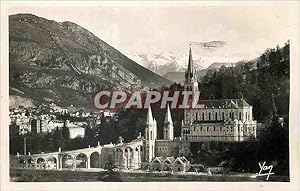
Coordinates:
[168,126]
[190,70]
[149,116]
[168,117]
[150,136]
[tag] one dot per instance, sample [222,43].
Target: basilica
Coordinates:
[222,120]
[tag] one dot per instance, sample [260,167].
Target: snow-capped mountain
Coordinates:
[166,62]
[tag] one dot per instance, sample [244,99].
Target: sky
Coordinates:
[247,30]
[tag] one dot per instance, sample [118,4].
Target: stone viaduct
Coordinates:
[122,155]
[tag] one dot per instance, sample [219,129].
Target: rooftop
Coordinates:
[224,103]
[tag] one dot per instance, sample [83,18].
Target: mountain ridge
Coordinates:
[165,62]
[40,49]
[178,76]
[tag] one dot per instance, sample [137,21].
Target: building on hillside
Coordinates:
[53,124]
[75,131]
[36,125]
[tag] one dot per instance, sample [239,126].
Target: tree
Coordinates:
[59,139]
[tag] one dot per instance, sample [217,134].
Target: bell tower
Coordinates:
[150,136]
[168,126]
[190,83]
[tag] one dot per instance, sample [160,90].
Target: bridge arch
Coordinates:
[81,160]
[129,151]
[22,161]
[30,161]
[67,161]
[95,160]
[40,161]
[120,152]
[51,160]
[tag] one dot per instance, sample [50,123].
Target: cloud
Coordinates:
[210,44]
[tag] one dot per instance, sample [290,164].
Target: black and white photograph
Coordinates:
[192,92]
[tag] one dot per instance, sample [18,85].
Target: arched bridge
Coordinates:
[123,155]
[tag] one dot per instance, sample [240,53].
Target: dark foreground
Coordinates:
[27,175]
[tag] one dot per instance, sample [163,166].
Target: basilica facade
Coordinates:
[224,120]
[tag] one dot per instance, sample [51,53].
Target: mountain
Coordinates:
[179,76]
[165,62]
[168,63]
[64,63]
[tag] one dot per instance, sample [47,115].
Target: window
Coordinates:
[202,116]
[207,128]
[194,128]
[151,136]
[231,129]
[197,116]
[209,116]
[240,116]
[214,128]
[216,116]
[222,115]
[201,128]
